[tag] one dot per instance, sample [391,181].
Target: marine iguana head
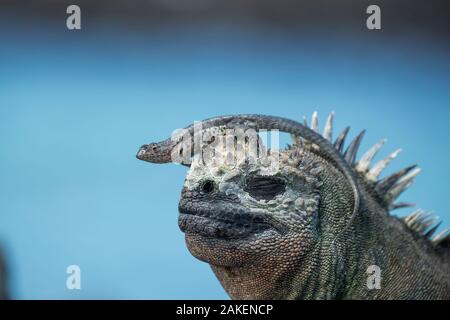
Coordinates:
[270,214]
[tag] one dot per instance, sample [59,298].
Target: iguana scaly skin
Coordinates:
[311,224]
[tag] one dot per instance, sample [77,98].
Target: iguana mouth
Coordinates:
[222,224]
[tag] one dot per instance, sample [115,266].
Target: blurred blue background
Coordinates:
[75,107]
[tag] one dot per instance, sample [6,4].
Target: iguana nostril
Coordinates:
[141,152]
[207,186]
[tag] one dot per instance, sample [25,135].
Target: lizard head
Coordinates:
[250,212]
[156,152]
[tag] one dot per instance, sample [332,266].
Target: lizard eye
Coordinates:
[264,188]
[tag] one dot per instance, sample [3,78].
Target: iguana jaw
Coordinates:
[225,223]
[225,234]
[231,252]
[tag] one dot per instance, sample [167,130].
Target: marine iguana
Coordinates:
[309,227]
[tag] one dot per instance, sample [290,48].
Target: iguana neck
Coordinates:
[312,277]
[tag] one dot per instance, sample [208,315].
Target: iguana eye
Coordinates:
[264,188]
[207,186]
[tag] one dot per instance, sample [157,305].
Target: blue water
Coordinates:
[74,108]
